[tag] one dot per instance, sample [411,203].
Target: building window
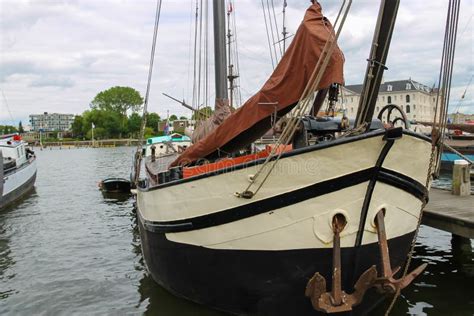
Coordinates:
[407,98]
[408,109]
[389,100]
[389,87]
[408,86]
[383,98]
[414,107]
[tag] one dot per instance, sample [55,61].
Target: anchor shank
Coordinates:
[336,291]
[383,244]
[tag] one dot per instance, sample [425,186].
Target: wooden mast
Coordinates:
[220,50]
[376,62]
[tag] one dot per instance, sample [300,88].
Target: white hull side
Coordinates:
[18,178]
[302,225]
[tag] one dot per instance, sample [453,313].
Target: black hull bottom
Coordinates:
[257,282]
[18,193]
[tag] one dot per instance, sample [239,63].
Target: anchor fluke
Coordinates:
[387,282]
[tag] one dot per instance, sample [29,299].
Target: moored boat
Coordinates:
[264,232]
[18,169]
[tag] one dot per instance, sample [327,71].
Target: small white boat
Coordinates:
[168,144]
[18,172]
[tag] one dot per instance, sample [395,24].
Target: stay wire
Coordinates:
[147,94]
[8,107]
[303,104]
[272,33]
[276,28]
[445,79]
[268,35]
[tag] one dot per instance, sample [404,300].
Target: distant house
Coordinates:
[49,122]
[417,100]
[177,126]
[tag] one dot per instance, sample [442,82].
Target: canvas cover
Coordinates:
[285,86]
[221,112]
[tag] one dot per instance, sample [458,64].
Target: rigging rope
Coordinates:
[304,103]
[268,35]
[139,152]
[276,28]
[463,96]
[8,108]
[439,124]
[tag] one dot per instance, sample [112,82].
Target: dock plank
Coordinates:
[451,213]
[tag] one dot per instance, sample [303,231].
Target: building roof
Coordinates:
[397,85]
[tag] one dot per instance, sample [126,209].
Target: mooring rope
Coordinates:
[139,154]
[444,87]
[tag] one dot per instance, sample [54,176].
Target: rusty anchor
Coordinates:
[337,300]
[387,283]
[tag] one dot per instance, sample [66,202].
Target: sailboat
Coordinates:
[300,228]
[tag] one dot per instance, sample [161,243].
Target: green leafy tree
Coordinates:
[134,124]
[76,126]
[112,123]
[152,121]
[7,129]
[183,118]
[149,132]
[118,100]
[203,113]
[173,117]
[20,128]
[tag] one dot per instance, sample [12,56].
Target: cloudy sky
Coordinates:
[57,55]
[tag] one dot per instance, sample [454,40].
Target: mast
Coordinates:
[376,62]
[231,75]
[220,49]
[284,32]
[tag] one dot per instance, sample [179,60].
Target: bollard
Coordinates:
[461,178]
[153,150]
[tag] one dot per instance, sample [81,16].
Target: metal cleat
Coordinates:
[337,300]
[387,283]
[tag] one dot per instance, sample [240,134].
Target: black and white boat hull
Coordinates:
[248,256]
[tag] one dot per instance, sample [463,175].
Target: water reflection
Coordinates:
[7,260]
[446,286]
[67,248]
[154,299]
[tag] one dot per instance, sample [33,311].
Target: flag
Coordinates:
[93,126]
[166,129]
[230,7]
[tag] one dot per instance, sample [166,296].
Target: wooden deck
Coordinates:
[451,213]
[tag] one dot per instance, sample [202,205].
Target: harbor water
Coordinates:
[67,249]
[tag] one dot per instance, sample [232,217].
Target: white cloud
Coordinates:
[57,55]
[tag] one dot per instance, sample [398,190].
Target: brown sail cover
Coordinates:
[285,86]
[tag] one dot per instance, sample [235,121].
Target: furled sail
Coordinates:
[279,94]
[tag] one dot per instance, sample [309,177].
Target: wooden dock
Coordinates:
[451,213]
